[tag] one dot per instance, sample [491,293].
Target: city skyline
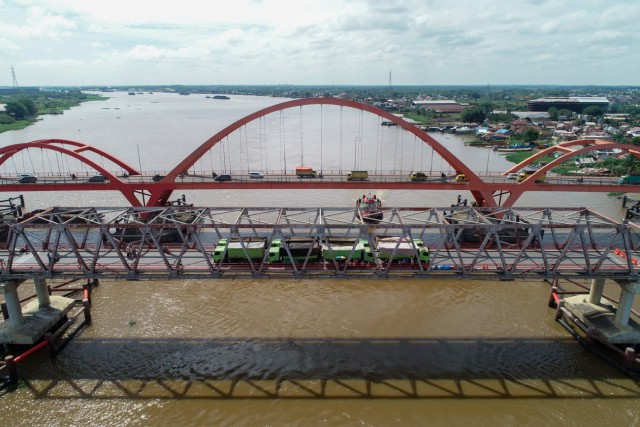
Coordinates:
[337,42]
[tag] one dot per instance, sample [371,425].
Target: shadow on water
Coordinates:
[325,368]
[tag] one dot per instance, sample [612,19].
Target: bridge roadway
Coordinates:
[178,242]
[329,180]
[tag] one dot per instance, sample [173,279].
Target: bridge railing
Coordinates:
[187,242]
[386,176]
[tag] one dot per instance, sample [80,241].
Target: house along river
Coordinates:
[266,352]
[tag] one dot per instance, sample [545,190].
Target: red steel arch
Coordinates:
[587,145]
[81,147]
[8,151]
[568,152]
[480,191]
[114,182]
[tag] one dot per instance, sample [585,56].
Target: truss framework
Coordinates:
[147,243]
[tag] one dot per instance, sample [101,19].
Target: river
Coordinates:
[327,352]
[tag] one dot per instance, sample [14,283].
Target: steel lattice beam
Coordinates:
[179,242]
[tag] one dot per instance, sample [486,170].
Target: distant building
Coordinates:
[7,91]
[440,106]
[573,103]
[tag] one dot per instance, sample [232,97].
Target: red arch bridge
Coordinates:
[158,242]
[56,159]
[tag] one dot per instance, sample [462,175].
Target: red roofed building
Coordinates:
[445,106]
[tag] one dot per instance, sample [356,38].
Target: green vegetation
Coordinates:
[21,111]
[420,118]
[473,114]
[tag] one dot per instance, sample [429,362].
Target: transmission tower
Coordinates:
[15,80]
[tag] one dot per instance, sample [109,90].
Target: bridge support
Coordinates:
[10,291]
[604,320]
[28,324]
[596,290]
[42,292]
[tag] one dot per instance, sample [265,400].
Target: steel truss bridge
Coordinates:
[176,242]
[139,190]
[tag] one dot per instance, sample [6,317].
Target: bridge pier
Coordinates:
[604,320]
[12,300]
[28,324]
[596,290]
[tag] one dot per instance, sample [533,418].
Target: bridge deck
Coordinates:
[454,242]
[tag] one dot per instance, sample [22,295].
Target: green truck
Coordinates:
[629,179]
[233,250]
[340,248]
[401,248]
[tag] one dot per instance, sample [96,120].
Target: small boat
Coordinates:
[515,148]
[369,209]
[464,130]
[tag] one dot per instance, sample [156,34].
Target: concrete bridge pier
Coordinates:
[596,290]
[42,292]
[12,300]
[628,291]
[604,320]
[28,324]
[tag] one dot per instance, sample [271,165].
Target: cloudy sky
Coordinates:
[327,42]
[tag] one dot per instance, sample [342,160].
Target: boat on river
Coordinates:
[369,209]
[514,148]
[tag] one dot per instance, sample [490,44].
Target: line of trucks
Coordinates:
[354,175]
[300,248]
[308,172]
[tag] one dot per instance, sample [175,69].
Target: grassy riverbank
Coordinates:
[45,103]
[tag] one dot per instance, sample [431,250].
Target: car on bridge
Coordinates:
[256,175]
[97,178]
[223,177]
[461,178]
[27,179]
[418,176]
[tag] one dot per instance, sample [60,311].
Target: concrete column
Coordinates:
[10,291]
[595,293]
[628,292]
[43,293]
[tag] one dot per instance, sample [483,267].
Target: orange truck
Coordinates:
[306,172]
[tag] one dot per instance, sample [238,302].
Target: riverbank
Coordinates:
[46,103]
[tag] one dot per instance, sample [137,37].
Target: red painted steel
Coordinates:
[160,192]
[13,149]
[114,183]
[568,153]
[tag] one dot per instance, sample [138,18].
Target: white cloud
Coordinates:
[328,42]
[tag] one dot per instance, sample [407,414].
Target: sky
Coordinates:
[323,42]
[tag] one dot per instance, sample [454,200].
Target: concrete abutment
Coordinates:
[604,319]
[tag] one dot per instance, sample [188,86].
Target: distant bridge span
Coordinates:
[158,192]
